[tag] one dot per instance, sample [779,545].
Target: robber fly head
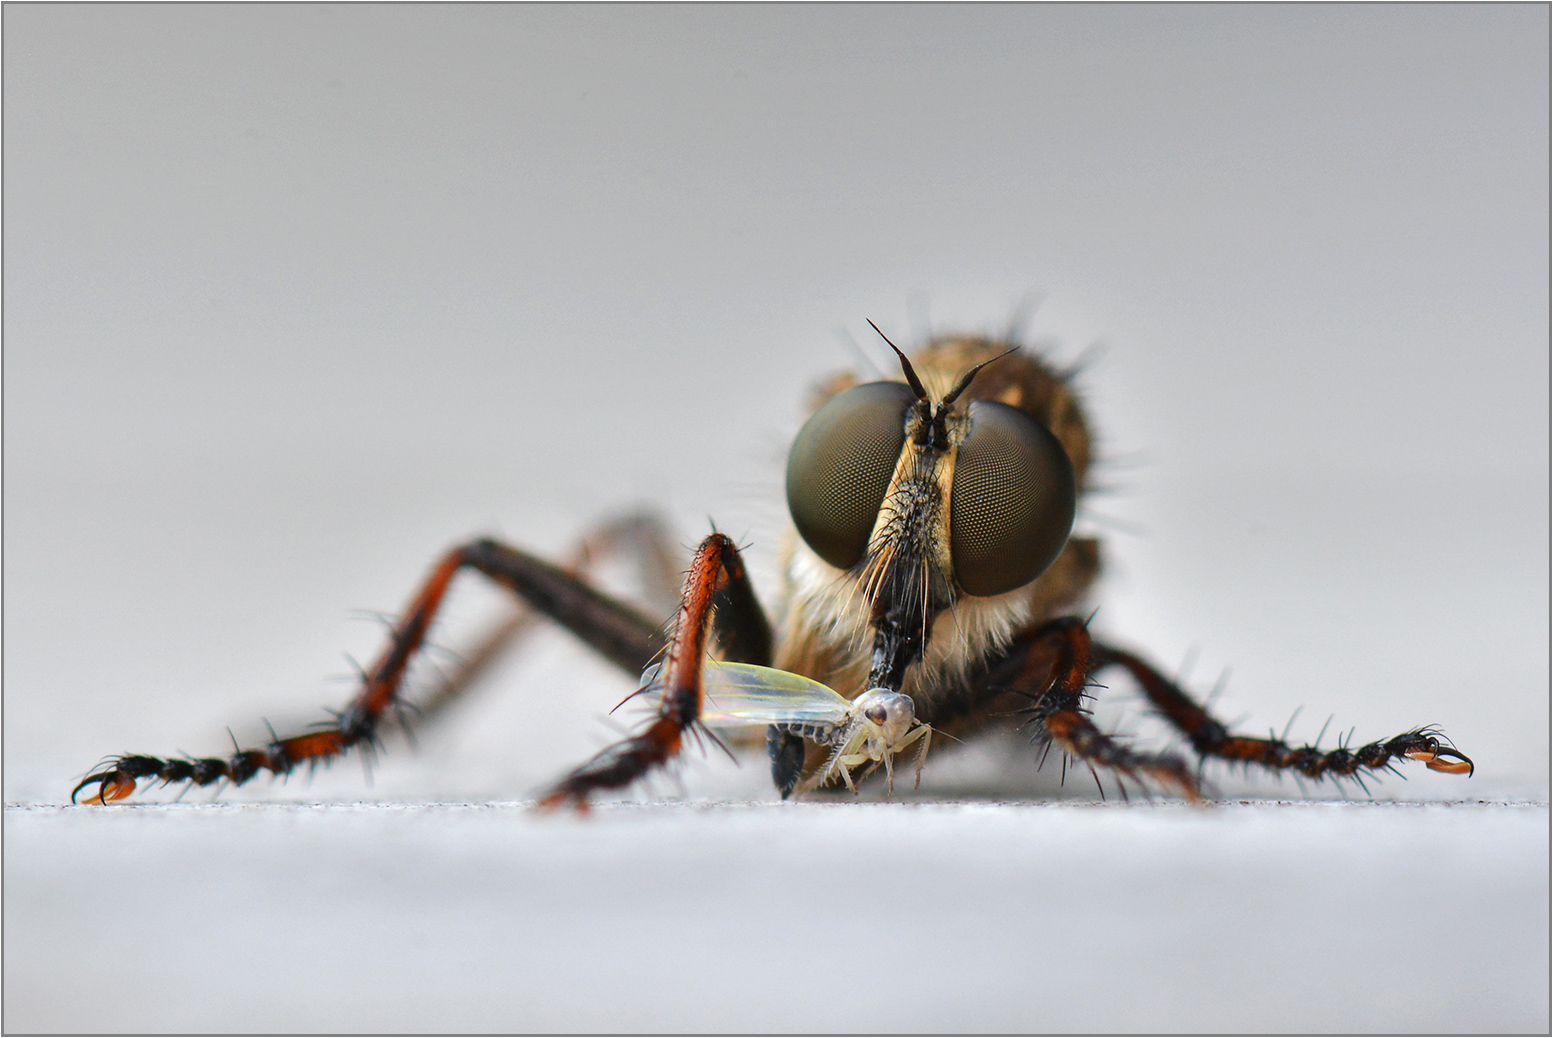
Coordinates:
[926,501]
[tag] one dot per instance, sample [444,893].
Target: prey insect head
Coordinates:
[892,713]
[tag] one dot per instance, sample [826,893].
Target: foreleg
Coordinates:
[1211,738]
[619,632]
[717,583]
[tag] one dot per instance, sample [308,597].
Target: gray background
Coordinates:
[297,296]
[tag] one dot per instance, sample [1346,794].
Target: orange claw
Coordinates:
[1436,761]
[113,789]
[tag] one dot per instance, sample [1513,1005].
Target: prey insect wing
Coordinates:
[742,695]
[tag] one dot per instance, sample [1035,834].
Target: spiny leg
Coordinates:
[717,599]
[1211,738]
[1051,666]
[640,538]
[620,633]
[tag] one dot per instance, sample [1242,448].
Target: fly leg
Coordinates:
[639,538]
[1051,666]
[787,752]
[617,631]
[1210,738]
[719,600]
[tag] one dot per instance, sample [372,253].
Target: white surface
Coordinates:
[296,296]
[724,917]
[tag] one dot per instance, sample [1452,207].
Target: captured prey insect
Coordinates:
[872,728]
[931,556]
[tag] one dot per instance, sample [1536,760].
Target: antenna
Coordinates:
[911,373]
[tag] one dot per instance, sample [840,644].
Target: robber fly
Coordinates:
[930,574]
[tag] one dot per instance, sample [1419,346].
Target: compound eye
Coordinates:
[892,712]
[1011,503]
[840,467]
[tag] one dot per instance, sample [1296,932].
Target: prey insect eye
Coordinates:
[840,467]
[1011,503]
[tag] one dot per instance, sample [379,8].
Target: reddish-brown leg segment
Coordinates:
[617,631]
[1210,738]
[1051,666]
[717,581]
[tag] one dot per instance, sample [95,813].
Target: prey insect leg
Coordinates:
[717,585]
[1210,738]
[615,630]
[1051,666]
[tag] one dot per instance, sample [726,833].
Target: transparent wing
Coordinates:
[742,695]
